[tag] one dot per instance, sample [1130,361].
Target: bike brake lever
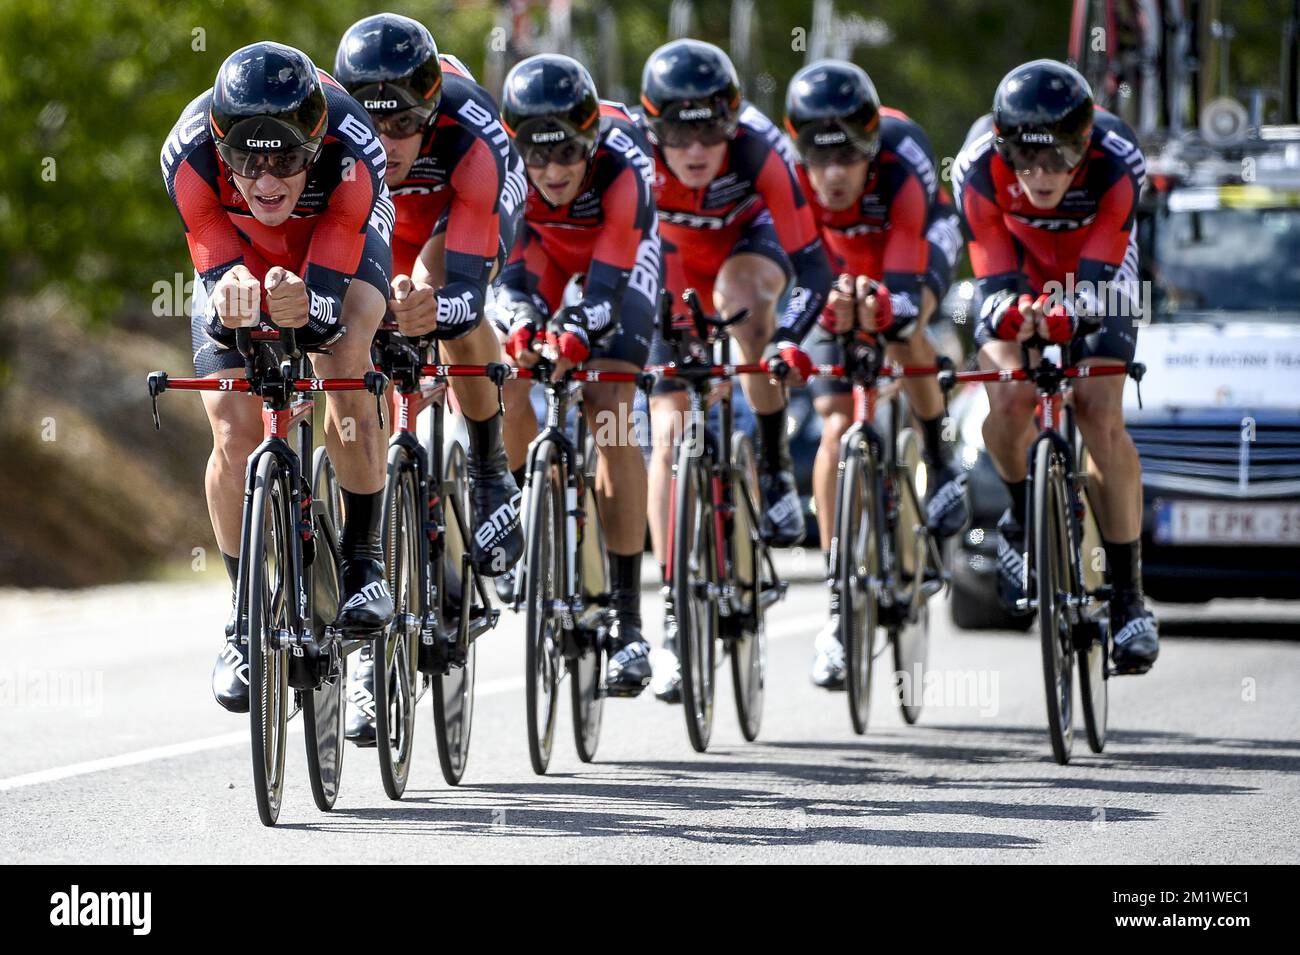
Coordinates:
[377,384]
[497,373]
[157,385]
[1137,371]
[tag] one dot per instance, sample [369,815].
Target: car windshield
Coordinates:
[1226,260]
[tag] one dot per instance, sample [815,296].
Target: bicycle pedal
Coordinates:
[1129,671]
[625,693]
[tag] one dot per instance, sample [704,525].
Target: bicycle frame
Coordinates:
[866,378]
[418,386]
[578,612]
[716,448]
[1057,427]
[288,405]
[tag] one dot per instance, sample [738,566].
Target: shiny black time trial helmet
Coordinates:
[691,93]
[268,111]
[1042,114]
[389,63]
[833,113]
[550,108]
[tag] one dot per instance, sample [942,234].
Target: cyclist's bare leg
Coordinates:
[353,433]
[236,422]
[836,412]
[667,415]
[1113,463]
[1008,429]
[520,420]
[620,469]
[753,282]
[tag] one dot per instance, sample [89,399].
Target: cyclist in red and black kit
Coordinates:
[590,212]
[457,186]
[278,177]
[869,173]
[737,228]
[1047,185]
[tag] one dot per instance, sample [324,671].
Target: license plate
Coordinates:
[1223,523]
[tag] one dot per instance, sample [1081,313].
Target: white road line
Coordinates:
[124,759]
[172,750]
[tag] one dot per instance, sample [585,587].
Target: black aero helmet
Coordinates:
[268,98]
[688,82]
[1042,114]
[550,107]
[389,63]
[832,110]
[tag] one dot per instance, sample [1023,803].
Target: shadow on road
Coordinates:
[754,796]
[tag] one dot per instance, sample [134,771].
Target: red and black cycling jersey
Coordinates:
[884,234]
[321,241]
[1085,242]
[757,173]
[609,232]
[468,171]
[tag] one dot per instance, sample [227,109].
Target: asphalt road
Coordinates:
[113,751]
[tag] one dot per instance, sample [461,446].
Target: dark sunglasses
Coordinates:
[682,135]
[409,122]
[1023,157]
[253,165]
[565,152]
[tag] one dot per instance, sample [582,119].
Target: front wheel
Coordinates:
[396,650]
[544,594]
[1050,550]
[268,598]
[694,578]
[453,691]
[857,550]
[749,649]
[911,638]
[323,709]
[587,670]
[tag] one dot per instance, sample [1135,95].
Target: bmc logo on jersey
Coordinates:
[371,147]
[620,142]
[1125,150]
[264,143]
[911,150]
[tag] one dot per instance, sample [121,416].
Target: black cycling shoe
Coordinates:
[782,522]
[1011,563]
[505,585]
[628,672]
[945,500]
[494,501]
[1135,640]
[361,698]
[230,672]
[367,605]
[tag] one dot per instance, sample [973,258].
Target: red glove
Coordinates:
[884,308]
[1061,322]
[521,339]
[828,321]
[1007,318]
[783,356]
[570,345]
